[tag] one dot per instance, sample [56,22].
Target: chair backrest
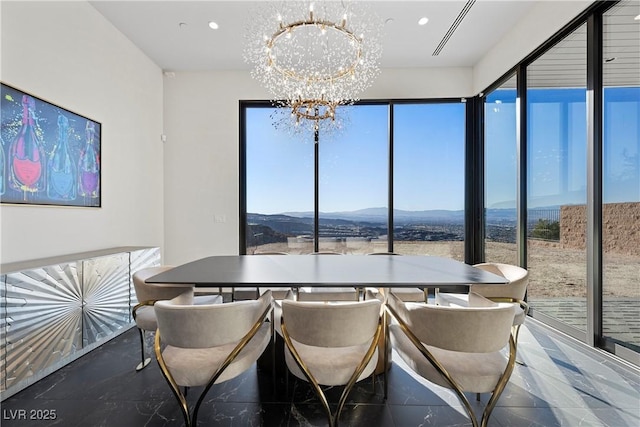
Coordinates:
[155,291]
[466,329]
[340,324]
[516,288]
[208,325]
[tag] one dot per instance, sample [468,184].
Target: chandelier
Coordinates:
[314,56]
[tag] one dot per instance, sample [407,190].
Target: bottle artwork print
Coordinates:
[89,166]
[48,155]
[26,154]
[61,170]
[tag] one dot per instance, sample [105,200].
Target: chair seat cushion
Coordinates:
[192,367]
[474,372]
[146,318]
[331,366]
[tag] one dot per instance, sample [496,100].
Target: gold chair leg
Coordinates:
[387,352]
[502,383]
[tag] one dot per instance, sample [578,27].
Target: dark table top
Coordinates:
[327,271]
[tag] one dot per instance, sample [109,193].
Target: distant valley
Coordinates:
[371,223]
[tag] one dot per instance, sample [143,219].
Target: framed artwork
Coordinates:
[48,155]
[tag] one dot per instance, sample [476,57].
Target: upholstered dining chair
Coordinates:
[202,345]
[460,348]
[406,294]
[514,292]
[332,344]
[313,293]
[147,294]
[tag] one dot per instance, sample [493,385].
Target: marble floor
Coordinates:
[561,383]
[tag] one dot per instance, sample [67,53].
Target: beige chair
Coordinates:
[460,348]
[202,345]
[331,344]
[406,294]
[147,294]
[514,292]
[311,293]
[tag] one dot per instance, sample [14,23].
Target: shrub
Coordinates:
[546,229]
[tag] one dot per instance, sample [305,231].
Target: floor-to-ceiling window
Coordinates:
[621,175]
[581,206]
[351,170]
[429,176]
[500,173]
[557,182]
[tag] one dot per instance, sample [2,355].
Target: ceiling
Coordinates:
[176,36]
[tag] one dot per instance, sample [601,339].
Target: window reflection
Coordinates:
[500,174]
[557,183]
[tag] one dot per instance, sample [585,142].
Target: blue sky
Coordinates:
[429,155]
[429,161]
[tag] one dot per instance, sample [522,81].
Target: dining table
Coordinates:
[382,271]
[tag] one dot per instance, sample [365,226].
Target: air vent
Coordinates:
[453,27]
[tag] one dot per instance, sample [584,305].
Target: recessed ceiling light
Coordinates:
[423,20]
[213,25]
[182,25]
[637,18]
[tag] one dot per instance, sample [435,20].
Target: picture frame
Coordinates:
[48,155]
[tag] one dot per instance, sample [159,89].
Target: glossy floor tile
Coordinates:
[560,383]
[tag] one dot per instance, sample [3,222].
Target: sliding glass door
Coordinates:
[621,176]
[279,186]
[429,176]
[353,176]
[557,181]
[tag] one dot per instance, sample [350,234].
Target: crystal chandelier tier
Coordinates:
[314,56]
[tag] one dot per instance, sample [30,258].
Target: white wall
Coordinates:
[422,83]
[544,20]
[201,113]
[68,54]
[202,125]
